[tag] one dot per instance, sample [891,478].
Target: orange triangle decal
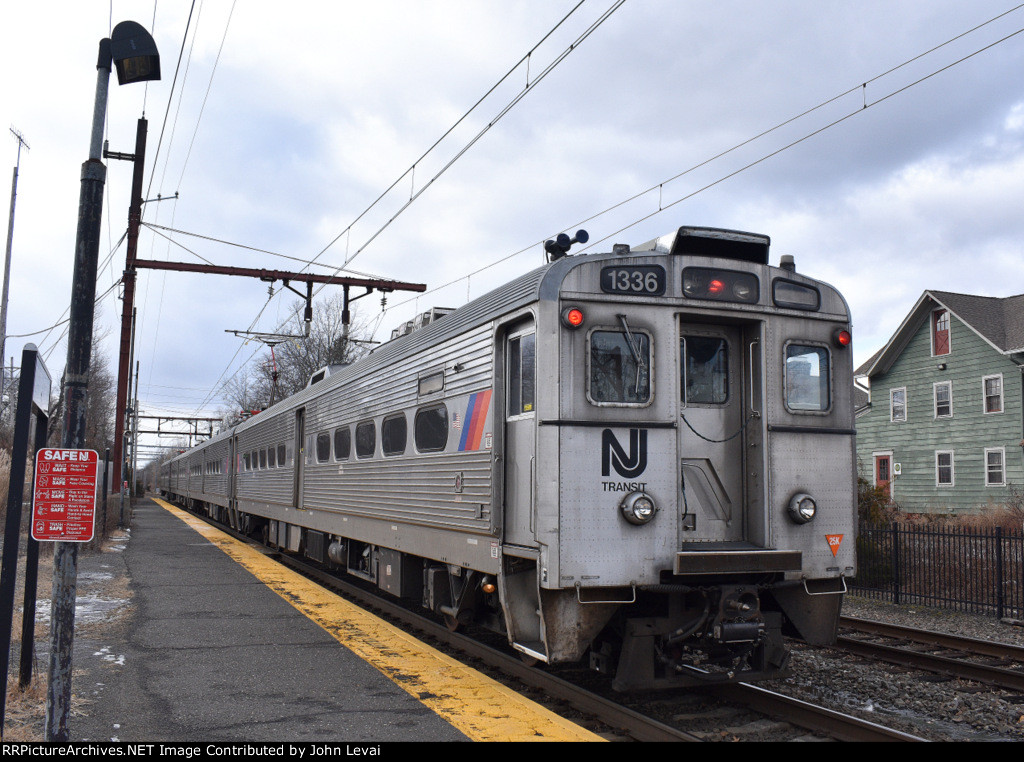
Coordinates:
[834,541]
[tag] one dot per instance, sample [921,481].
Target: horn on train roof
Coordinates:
[711,242]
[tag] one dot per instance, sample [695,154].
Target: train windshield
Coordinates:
[620,367]
[807,378]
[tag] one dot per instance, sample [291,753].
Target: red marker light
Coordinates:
[716,287]
[572,317]
[842,338]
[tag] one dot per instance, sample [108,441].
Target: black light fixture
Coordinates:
[134,53]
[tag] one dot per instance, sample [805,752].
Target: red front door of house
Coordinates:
[883,473]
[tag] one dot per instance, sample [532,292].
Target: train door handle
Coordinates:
[754,412]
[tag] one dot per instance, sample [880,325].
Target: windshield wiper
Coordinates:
[634,349]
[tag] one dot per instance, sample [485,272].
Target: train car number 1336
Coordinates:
[643,280]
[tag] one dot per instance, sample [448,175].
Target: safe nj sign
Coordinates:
[64,499]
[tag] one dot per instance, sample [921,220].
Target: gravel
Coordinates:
[927,706]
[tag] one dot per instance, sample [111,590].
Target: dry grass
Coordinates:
[26,710]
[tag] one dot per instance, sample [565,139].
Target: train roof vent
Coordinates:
[712,242]
[324,372]
[422,320]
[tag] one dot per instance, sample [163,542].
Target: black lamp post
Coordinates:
[133,52]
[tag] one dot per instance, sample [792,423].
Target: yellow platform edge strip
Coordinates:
[481,708]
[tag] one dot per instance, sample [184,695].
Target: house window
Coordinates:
[994,473]
[944,468]
[940,332]
[993,391]
[943,399]
[898,404]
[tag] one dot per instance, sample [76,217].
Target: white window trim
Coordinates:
[949,331]
[1002,395]
[891,407]
[1002,467]
[952,468]
[935,398]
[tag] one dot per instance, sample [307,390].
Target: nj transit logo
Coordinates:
[627,465]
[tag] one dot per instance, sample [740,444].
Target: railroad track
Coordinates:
[623,722]
[936,652]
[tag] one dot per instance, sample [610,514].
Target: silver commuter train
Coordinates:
[643,458]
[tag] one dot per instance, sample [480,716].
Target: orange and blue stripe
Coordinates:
[476,418]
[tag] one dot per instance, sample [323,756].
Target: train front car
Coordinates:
[691,498]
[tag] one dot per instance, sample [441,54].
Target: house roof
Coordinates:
[997,320]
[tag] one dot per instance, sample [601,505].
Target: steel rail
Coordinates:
[842,727]
[939,639]
[954,666]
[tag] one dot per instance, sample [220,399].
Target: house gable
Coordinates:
[945,412]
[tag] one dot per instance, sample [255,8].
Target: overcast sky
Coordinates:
[286,121]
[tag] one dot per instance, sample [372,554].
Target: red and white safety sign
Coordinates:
[64,500]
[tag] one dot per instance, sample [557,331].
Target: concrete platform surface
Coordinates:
[215,642]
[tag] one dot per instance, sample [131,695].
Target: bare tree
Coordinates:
[287,364]
[101,401]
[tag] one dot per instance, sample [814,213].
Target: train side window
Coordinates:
[323,447]
[807,378]
[342,443]
[263,458]
[366,439]
[620,367]
[394,431]
[430,429]
[272,457]
[281,455]
[430,383]
[705,370]
[522,352]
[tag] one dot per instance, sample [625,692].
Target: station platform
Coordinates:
[218,643]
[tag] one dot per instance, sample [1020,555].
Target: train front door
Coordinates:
[711,432]
[520,451]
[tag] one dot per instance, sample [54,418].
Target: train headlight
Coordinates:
[638,508]
[802,508]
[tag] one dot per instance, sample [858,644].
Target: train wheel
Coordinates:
[452,623]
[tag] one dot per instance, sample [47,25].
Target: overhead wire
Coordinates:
[746,142]
[504,111]
[662,207]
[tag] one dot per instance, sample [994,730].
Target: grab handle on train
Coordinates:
[754,412]
[843,591]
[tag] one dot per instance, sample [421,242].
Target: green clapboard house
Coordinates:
[942,425]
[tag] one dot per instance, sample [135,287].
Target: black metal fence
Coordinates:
[980,571]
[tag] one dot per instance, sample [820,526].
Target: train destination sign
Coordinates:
[64,497]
